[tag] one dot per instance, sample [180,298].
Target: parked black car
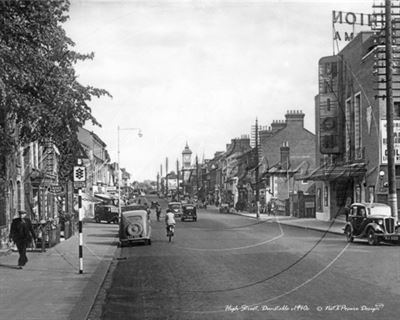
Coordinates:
[371,221]
[106,212]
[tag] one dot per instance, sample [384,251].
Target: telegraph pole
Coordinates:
[161,181]
[392,195]
[158,183]
[177,179]
[166,175]
[197,177]
[257,172]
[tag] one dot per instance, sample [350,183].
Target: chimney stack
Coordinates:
[277,125]
[285,155]
[295,118]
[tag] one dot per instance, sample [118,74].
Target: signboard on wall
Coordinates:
[396,133]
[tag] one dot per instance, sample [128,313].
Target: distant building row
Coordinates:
[30,182]
[344,162]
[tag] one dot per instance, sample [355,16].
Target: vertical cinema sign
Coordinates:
[346,24]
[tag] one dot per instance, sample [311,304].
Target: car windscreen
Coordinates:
[134,219]
[132,207]
[174,206]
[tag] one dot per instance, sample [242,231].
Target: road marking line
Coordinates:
[239,248]
[283,294]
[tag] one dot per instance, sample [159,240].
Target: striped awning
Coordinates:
[335,172]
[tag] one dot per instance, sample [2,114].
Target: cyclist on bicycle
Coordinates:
[158,212]
[169,219]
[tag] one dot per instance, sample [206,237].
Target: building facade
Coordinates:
[351,126]
[288,152]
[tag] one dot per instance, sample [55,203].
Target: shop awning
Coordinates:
[327,173]
[90,198]
[106,196]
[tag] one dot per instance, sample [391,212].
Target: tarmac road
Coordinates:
[231,267]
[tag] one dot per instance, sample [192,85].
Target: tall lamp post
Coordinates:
[119,170]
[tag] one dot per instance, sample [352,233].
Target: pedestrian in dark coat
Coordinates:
[22,234]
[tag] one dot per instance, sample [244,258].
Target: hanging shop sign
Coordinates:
[55,189]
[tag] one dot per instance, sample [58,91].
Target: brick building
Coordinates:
[288,151]
[350,122]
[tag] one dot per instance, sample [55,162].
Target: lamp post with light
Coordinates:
[140,134]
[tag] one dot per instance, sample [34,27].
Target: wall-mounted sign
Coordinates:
[396,134]
[55,189]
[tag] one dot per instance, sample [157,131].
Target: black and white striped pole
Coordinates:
[79,181]
[80,230]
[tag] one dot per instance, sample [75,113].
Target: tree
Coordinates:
[39,90]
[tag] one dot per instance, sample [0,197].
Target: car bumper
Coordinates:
[189,217]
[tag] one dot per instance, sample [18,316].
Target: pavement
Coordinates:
[335,226]
[50,286]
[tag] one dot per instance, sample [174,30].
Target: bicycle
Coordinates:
[170,232]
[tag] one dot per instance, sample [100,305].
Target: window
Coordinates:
[397,109]
[371,193]
[357,126]
[326,196]
[349,126]
[319,200]
[358,193]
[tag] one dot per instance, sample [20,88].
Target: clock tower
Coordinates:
[186,157]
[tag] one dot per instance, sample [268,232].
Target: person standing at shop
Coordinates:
[22,234]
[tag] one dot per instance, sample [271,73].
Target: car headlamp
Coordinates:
[380,222]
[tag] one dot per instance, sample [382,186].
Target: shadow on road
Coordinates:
[9,266]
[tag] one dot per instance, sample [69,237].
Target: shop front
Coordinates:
[337,186]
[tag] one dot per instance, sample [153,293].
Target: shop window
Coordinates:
[326,196]
[397,109]
[357,126]
[371,194]
[319,200]
[358,193]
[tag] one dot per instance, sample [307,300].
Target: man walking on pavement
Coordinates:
[22,234]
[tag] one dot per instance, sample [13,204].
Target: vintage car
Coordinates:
[224,208]
[371,221]
[134,226]
[189,212]
[176,208]
[106,212]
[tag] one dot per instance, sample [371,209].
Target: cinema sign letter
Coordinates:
[352,19]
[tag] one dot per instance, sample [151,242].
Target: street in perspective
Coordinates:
[199,160]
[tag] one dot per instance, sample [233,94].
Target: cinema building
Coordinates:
[351,129]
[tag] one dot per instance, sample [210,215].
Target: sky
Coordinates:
[198,71]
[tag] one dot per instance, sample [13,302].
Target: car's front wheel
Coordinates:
[349,234]
[372,239]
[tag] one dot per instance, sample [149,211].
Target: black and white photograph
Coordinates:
[199,159]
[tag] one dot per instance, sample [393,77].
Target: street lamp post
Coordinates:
[119,170]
